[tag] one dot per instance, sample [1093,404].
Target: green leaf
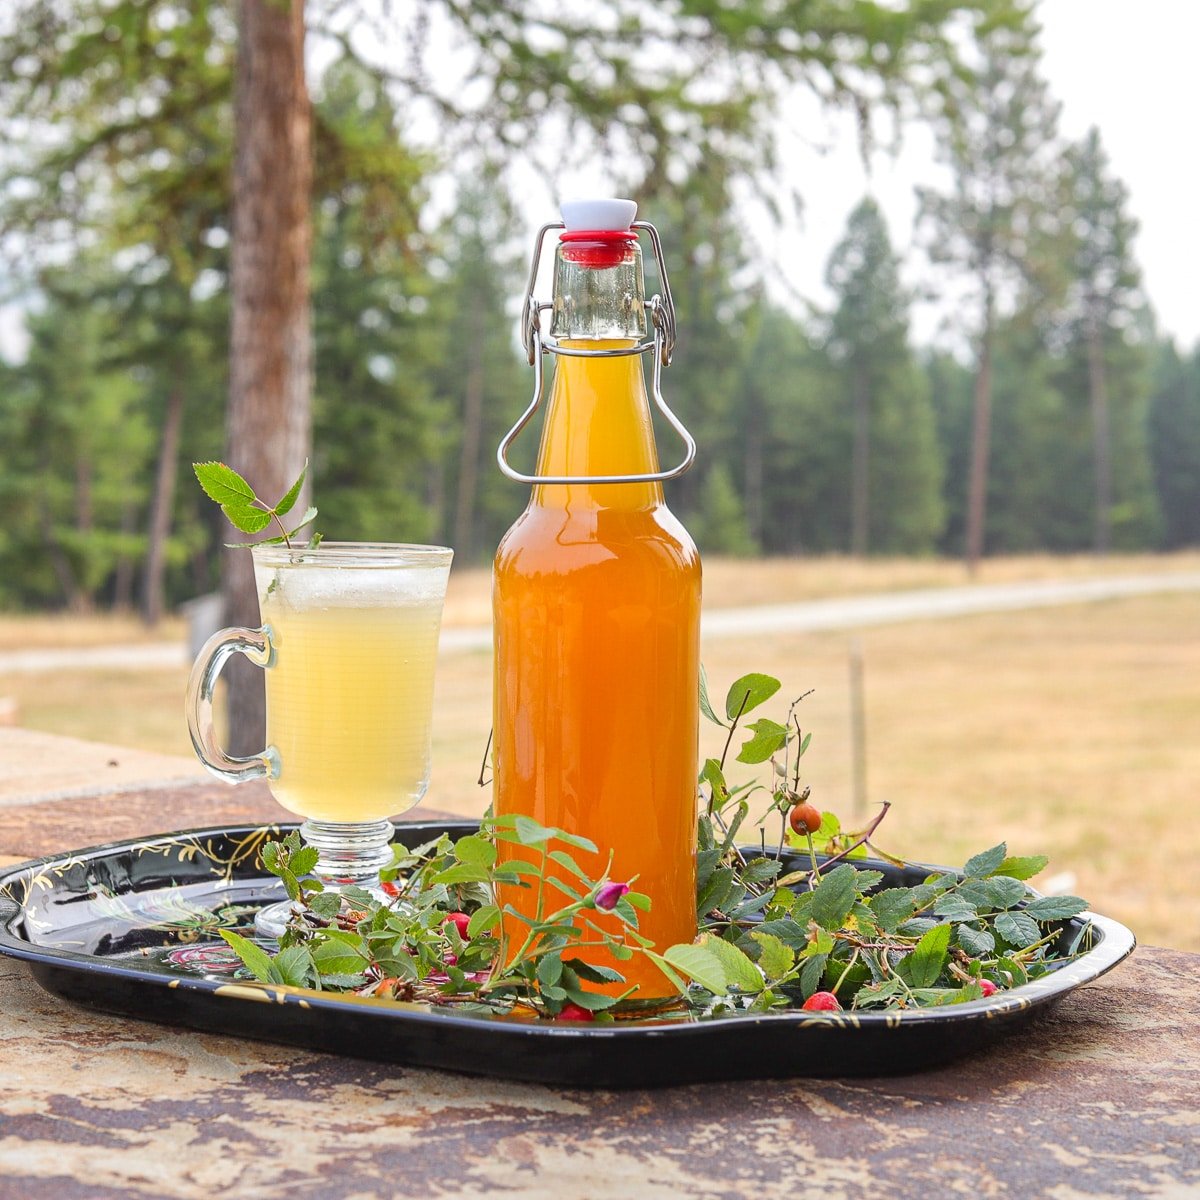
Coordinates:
[1004,891]
[483,919]
[1023,868]
[976,942]
[712,774]
[986,863]
[768,737]
[255,957]
[922,967]
[790,933]
[462,873]
[716,892]
[292,494]
[1018,928]
[304,860]
[295,966]
[476,849]
[955,908]
[549,970]
[592,1001]
[776,959]
[223,484]
[749,692]
[245,518]
[705,704]
[834,897]
[740,971]
[1055,908]
[593,972]
[811,973]
[700,965]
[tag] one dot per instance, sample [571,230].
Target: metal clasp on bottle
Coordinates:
[537,344]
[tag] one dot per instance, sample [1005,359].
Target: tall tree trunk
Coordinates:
[860,464]
[123,577]
[980,442]
[1101,439]
[752,416]
[270,372]
[160,509]
[83,601]
[472,427]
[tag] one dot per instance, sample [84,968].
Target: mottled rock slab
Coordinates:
[1099,1100]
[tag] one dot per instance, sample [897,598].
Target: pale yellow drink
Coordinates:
[350,686]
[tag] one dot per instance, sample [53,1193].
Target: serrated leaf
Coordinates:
[976,942]
[592,1001]
[325,905]
[593,972]
[1023,868]
[768,737]
[293,493]
[717,892]
[700,965]
[295,965]
[1055,908]
[255,958]
[985,863]
[476,850]
[811,973]
[222,484]
[790,933]
[705,704]
[1004,891]
[1018,928]
[955,908]
[740,971]
[834,897]
[924,964]
[549,970]
[776,959]
[304,860]
[245,518]
[483,919]
[749,692]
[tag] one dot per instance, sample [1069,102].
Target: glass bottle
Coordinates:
[596,600]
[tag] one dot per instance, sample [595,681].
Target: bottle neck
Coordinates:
[598,419]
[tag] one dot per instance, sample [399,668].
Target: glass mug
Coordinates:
[349,643]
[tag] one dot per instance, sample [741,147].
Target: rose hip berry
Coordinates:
[822,1002]
[575,1012]
[460,921]
[389,888]
[805,818]
[988,988]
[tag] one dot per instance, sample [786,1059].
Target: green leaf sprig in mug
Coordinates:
[246,512]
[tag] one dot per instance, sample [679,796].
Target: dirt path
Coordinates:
[847,612]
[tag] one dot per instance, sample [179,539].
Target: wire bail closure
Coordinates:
[662,318]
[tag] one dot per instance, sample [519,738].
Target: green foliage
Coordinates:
[246,511]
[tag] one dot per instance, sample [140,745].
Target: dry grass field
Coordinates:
[1073,732]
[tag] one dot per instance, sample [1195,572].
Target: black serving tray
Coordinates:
[131,928]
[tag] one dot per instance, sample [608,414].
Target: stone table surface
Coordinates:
[1101,1098]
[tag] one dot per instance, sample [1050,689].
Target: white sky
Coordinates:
[1127,66]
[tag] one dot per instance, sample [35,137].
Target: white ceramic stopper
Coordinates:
[598,214]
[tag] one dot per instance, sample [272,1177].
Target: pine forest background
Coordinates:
[1051,417]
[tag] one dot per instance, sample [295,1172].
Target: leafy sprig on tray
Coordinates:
[793,924]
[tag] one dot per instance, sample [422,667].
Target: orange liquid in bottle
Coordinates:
[596,600]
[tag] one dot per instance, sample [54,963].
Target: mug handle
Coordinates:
[255,644]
